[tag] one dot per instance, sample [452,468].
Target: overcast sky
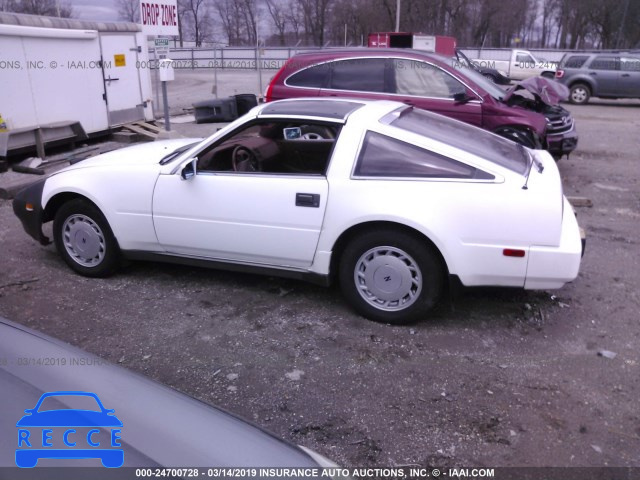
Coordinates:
[94,9]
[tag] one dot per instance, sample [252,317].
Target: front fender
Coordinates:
[123,195]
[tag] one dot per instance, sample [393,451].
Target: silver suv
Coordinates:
[604,75]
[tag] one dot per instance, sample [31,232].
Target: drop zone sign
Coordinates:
[159,17]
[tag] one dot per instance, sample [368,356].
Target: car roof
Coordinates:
[364,51]
[331,109]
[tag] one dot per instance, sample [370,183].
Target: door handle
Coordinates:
[307,200]
[626,74]
[593,74]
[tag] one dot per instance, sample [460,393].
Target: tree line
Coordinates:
[563,24]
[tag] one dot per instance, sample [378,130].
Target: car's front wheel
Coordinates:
[85,240]
[391,276]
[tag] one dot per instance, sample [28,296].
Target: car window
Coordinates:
[630,64]
[604,63]
[473,77]
[312,77]
[272,146]
[575,61]
[423,79]
[383,156]
[359,74]
[524,58]
[466,137]
[66,402]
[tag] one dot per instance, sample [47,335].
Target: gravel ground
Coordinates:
[497,377]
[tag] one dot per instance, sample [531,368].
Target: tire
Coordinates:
[549,75]
[409,263]
[490,77]
[84,239]
[579,94]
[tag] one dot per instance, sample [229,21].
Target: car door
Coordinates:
[605,72]
[428,86]
[629,77]
[269,218]
[524,66]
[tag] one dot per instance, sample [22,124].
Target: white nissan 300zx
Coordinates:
[389,200]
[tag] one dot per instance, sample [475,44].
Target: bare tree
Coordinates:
[129,10]
[231,18]
[50,8]
[196,16]
[315,14]
[295,17]
[277,11]
[248,8]
[488,23]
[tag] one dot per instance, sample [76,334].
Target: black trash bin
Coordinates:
[245,102]
[217,110]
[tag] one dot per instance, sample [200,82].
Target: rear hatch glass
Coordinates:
[476,141]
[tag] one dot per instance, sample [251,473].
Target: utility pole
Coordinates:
[398,15]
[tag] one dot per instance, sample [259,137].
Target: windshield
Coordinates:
[167,158]
[477,78]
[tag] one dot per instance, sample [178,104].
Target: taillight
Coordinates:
[268,94]
[559,73]
[513,252]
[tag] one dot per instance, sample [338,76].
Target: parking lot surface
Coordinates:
[496,377]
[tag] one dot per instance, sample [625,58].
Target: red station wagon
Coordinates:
[431,82]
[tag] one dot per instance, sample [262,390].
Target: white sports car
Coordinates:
[389,200]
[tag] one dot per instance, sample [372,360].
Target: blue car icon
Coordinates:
[82,433]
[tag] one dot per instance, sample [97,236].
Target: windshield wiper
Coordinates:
[170,156]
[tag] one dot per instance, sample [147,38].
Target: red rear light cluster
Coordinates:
[268,94]
[559,73]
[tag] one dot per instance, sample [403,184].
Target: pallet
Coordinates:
[143,128]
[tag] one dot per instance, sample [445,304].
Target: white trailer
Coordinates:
[66,79]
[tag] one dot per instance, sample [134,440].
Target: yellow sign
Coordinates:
[3,125]
[119,60]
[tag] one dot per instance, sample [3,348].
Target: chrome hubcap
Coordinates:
[83,240]
[579,95]
[388,278]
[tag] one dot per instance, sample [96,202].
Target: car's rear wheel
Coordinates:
[391,276]
[579,94]
[85,240]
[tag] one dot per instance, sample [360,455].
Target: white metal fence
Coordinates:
[272,58]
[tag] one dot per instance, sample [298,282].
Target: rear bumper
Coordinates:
[552,267]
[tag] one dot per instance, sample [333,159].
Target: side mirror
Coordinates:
[189,170]
[461,97]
